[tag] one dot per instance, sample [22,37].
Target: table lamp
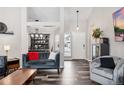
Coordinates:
[6,48]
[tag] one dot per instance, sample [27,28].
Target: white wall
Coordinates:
[57,39]
[102,17]
[12,18]
[70,19]
[61,33]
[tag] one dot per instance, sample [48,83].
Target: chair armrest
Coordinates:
[118,75]
[24,59]
[95,63]
[3,64]
[3,60]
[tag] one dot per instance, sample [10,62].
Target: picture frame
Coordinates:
[118,22]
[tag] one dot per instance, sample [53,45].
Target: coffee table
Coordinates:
[19,77]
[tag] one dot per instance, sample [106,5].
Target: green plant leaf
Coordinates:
[97,33]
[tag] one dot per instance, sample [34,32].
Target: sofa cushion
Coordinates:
[105,72]
[107,62]
[33,56]
[35,61]
[42,62]
[52,55]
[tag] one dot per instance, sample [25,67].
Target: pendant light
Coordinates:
[77,27]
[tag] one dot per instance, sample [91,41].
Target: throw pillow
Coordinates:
[52,55]
[107,63]
[33,56]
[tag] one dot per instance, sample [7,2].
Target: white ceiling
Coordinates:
[52,13]
[43,14]
[84,12]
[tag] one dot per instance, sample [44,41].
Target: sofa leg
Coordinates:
[58,71]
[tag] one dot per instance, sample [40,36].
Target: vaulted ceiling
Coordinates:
[84,13]
[52,13]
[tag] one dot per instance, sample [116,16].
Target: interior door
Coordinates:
[67,44]
[78,45]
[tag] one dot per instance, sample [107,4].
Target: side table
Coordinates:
[13,63]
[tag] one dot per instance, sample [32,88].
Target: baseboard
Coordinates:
[78,59]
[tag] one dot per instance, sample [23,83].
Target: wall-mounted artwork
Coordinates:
[4,29]
[118,21]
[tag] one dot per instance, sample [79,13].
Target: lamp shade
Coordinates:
[6,47]
[77,28]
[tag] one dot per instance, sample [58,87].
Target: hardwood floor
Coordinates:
[74,73]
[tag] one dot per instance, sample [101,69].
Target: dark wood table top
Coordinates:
[12,59]
[19,77]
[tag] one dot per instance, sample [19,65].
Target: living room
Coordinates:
[22,26]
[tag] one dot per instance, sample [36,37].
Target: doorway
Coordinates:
[78,45]
[74,45]
[67,45]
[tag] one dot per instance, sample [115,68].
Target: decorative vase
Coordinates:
[97,40]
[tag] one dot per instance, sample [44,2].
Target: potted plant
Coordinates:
[97,33]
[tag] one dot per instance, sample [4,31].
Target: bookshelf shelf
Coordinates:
[40,45]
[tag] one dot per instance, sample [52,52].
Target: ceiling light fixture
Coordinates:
[77,28]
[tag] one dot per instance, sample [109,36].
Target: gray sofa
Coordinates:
[107,76]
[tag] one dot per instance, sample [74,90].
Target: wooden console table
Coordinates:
[13,63]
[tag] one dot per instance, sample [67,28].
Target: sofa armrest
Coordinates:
[24,59]
[118,75]
[57,59]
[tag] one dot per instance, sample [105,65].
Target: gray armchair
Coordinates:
[107,76]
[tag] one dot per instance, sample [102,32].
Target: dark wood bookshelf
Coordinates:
[39,42]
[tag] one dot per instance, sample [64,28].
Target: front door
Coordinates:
[78,45]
